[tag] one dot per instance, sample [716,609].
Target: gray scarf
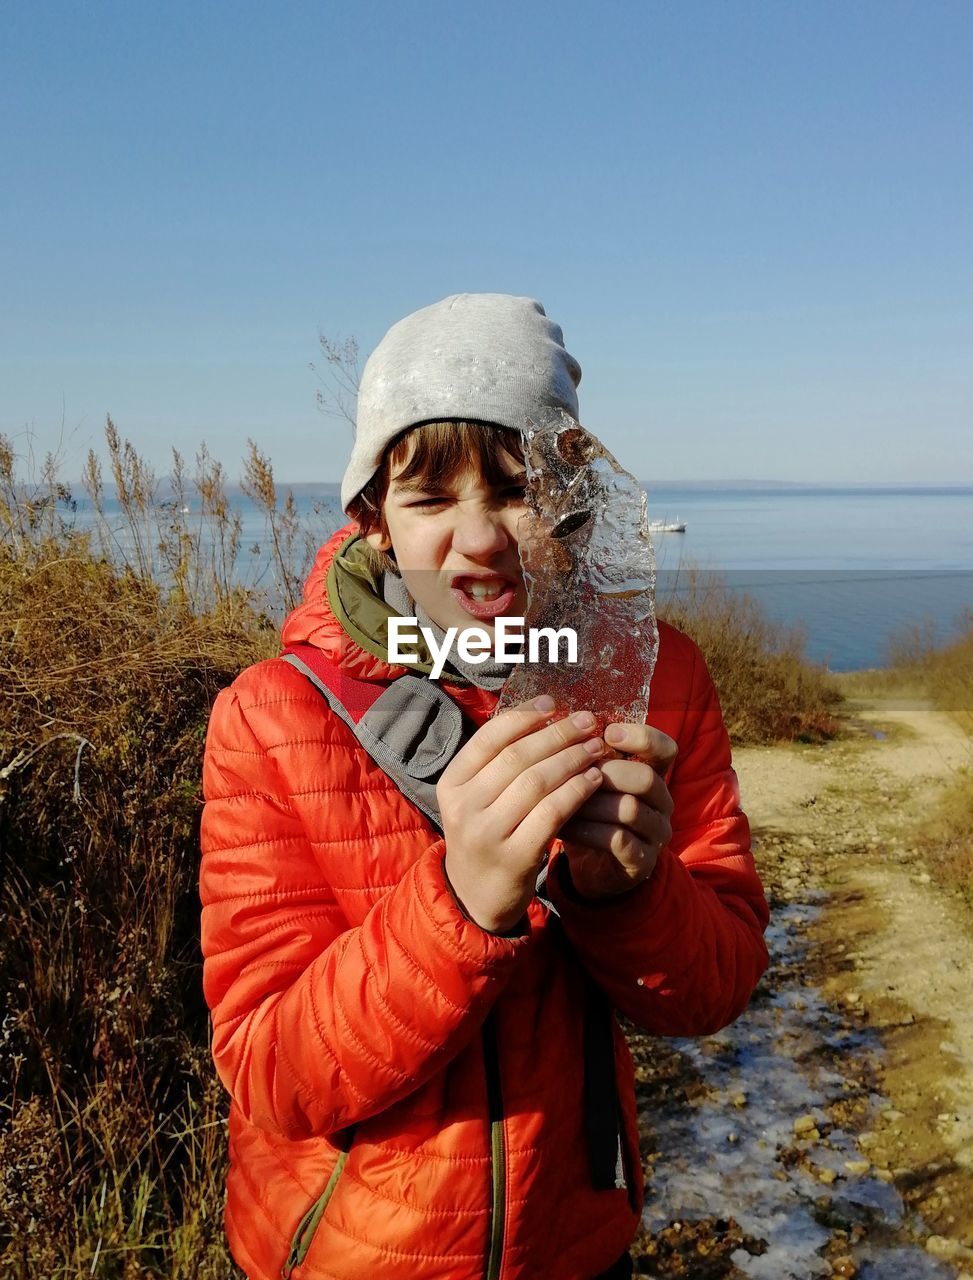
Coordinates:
[485,675]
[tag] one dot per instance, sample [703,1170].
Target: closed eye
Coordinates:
[432,500]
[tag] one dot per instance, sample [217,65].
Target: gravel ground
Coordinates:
[829,1132]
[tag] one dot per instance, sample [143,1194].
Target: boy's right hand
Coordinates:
[504,797]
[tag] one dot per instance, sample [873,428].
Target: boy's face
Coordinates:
[455,542]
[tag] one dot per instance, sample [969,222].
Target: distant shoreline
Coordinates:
[332,489]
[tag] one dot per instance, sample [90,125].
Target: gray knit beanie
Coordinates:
[480,357]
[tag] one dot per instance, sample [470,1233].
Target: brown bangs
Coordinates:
[446,450]
[440,450]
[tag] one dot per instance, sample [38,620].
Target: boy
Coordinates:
[426,1075]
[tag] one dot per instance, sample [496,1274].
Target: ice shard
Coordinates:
[589,565]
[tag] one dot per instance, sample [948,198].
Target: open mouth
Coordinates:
[483,595]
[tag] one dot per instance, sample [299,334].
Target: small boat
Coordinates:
[667,526]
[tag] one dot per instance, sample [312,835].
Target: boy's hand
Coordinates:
[505,796]
[614,840]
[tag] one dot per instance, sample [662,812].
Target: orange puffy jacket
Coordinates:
[407,1089]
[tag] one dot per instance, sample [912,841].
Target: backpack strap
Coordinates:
[409,726]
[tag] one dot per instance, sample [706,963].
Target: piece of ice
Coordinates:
[911,1262]
[782,1056]
[589,565]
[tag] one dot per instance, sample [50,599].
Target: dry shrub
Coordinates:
[112,1133]
[768,689]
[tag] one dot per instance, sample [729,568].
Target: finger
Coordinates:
[599,873]
[651,745]
[637,779]
[609,840]
[542,824]
[520,758]
[624,810]
[595,819]
[529,788]
[491,738]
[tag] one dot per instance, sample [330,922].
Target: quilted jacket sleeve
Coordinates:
[682,953]
[316,1024]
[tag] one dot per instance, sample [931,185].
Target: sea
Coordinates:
[859,571]
[856,571]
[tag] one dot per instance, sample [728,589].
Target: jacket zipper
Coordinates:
[498,1150]
[309,1224]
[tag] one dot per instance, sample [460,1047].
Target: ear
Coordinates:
[378,540]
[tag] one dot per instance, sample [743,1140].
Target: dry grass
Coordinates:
[879,682]
[948,839]
[768,690]
[113,645]
[945,676]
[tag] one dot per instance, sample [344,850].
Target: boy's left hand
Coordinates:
[613,842]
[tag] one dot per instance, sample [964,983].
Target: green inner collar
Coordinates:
[354,587]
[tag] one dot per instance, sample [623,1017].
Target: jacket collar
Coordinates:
[345,615]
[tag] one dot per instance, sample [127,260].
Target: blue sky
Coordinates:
[754,221]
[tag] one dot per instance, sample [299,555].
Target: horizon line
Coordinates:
[737,482]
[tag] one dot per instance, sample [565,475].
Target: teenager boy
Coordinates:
[426,1074]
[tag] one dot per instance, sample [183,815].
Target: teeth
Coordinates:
[485,590]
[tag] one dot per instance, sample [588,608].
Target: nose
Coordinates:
[482,531]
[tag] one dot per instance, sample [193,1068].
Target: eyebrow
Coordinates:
[418,484]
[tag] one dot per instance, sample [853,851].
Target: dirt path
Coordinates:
[891,950]
[829,1132]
